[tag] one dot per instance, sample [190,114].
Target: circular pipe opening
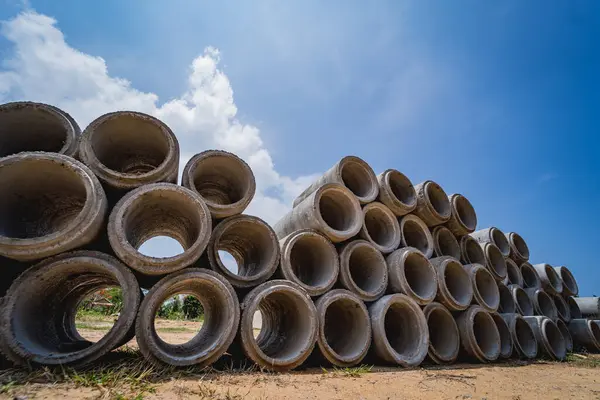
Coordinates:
[445,243]
[359,178]
[438,199]
[486,333]
[416,234]
[337,210]
[513,273]
[444,338]
[525,338]
[465,212]
[531,278]
[346,329]
[496,260]
[381,227]
[472,253]
[574,310]
[555,339]
[520,245]
[568,280]
[500,241]
[402,188]
[420,276]
[522,300]
[457,282]
[553,278]
[487,289]
[367,269]
[545,304]
[402,331]
[561,307]
[507,303]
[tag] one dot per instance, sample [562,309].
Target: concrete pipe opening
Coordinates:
[550,341]
[309,259]
[507,303]
[416,234]
[289,325]
[363,270]
[221,317]
[564,330]
[344,328]
[495,262]
[542,303]
[445,243]
[380,227]
[50,203]
[524,338]
[455,290]
[561,307]
[224,181]
[495,236]
[433,206]
[27,126]
[513,273]
[479,335]
[585,333]
[570,287]
[411,273]
[358,176]
[485,289]
[338,212]
[252,244]
[471,251]
[551,282]
[574,310]
[531,279]
[397,192]
[506,342]
[40,308]
[159,209]
[464,219]
[518,248]
[444,338]
[523,302]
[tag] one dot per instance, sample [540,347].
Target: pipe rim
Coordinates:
[564,330]
[445,243]
[506,340]
[498,238]
[518,245]
[410,255]
[494,261]
[569,282]
[554,283]
[440,208]
[573,308]
[355,214]
[555,350]
[506,297]
[545,305]
[472,340]
[513,273]
[523,302]
[349,282]
[401,191]
[367,174]
[562,309]
[463,211]
[433,352]
[480,276]
[424,242]
[391,226]
[471,252]
[531,278]
[446,266]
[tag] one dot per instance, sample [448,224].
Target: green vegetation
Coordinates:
[584,360]
[354,372]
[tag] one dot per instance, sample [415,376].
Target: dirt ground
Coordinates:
[577,379]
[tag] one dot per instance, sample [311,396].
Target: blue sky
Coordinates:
[499,101]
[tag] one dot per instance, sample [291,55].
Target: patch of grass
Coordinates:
[354,372]
[583,360]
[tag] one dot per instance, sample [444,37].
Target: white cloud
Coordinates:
[43,67]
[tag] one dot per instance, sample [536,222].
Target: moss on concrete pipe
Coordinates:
[542,303]
[433,206]
[397,192]
[455,289]
[416,234]
[507,302]
[519,251]
[550,341]
[479,334]
[445,243]
[551,282]
[380,227]
[463,219]
[411,273]
[569,283]
[485,289]
[586,333]
[470,251]
[531,279]
[444,338]
[495,236]
[523,337]
[363,270]
[523,302]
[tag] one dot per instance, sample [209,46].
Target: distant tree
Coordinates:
[192,308]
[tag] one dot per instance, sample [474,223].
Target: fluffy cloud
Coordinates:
[43,67]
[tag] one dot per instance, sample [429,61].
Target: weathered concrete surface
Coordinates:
[479,335]
[433,206]
[550,341]
[416,234]
[524,340]
[551,282]
[523,302]
[574,309]
[569,282]
[588,306]
[494,261]
[542,303]
[519,251]
[507,302]
[531,279]
[470,251]
[363,270]
[397,192]
[495,236]
[444,338]
[506,341]
[513,274]
[564,330]
[463,219]
[562,308]
[585,333]
[485,288]
[380,227]
[455,290]
[411,273]
[445,243]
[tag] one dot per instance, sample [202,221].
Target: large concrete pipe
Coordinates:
[289,325]
[344,334]
[433,206]
[50,204]
[351,172]
[155,210]
[485,289]
[444,338]
[309,259]
[397,192]
[574,310]
[38,313]
[27,126]
[519,251]
[495,236]
[400,333]
[542,303]
[380,227]
[416,234]
[564,330]
[445,243]
[562,307]
[531,279]
[463,219]
[506,342]
[455,290]
[522,334]
[523,302]
[569,283]
[363,270]
[411,273]
[588,306]
[550,280]
[253,245]
[479,335]
[470,251]
[331,209]
[550,341]
[221,317]
[494,261]
[223,180]
[513,273]
[586,333]
[128,149]
[507,302]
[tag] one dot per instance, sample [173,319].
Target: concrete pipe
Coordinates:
[564,330]
[507,302]
[38,313]
[289,325]
[470,251]
[522,334]
[27,126]
[444,338]
[363,270]
[550,280]
[156,210]
[531,279]
[127,149]
[542,303]
[495,236]
[586,333]
[332,209]
[519,251]
[494,261]
[506,342]
[50,204]
[573,308]
[344,334]
[433,206]
[569,283]
[463,219]
[485,289]
[310,260]
[223,180]
[445,243]
[455,290]
[588,306]
[513,274]
[411,273]
[562,307]
[221,317]
[380,227]
[400,332]
[397,192]
[351,172]
[253,245]
[523,302]
[416,234]
[550,341]
[479,335]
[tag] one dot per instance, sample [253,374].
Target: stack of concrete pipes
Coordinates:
[363,267]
